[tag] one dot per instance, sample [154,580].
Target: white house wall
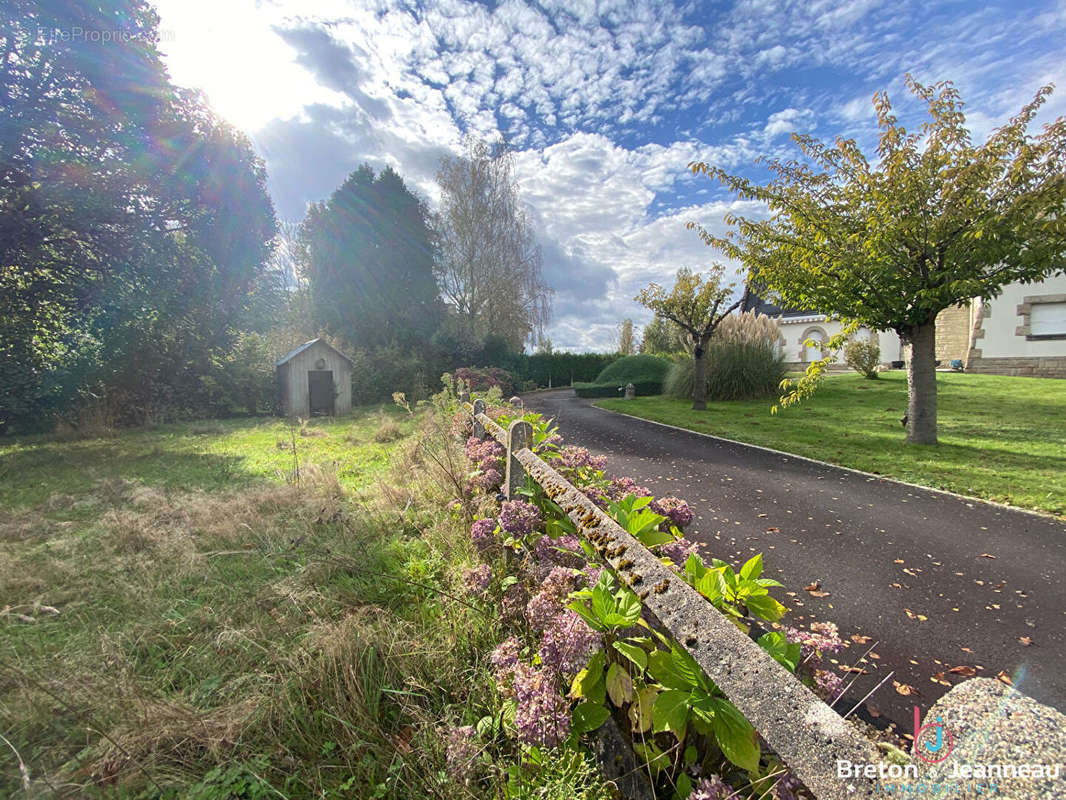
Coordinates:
[1002,342]
[795,330]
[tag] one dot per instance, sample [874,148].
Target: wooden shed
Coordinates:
[315,378]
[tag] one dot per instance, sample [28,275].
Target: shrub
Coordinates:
[643,389]
[560,369]
[735,371]
[863,356]
[635,369]
[481,379]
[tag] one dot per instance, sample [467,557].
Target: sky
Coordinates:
[604,104]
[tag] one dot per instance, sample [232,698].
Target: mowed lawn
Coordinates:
[1001,438]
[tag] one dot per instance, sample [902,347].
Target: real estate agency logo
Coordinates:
[933,741]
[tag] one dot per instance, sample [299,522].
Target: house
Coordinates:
[1020,332]
[315,378]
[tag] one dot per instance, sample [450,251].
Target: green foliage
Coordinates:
[932,221]
[662,337]
[561,368]
[643,389]
[368,254]
[634,369]
[736,370]
[137,226]
[863,356]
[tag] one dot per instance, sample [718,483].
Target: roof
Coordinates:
[307,345]
[753,301]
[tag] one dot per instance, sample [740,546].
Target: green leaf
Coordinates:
[619,685]
[628,606]
[670,712]
[634,653]
[684,786]
[589,683]
[752,568]
[588,716]
[765,607]
[695,568]
[583,611]
[654,537]
[602,601]
[784,652]
[712,585]
[735,735]
[664,669]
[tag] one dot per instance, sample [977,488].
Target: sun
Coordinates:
[229,50]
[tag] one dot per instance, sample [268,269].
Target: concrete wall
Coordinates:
[295,392]
[1001,340]
[953,334]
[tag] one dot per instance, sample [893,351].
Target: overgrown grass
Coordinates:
[1001,438]
[182,618]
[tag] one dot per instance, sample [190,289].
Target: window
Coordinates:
[1047,320]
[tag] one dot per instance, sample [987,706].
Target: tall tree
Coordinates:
[133,224]
[489,265]
[368,253]
[661,336]
[697,305]
[933,222]
[627,343]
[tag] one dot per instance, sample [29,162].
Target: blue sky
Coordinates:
[604,102]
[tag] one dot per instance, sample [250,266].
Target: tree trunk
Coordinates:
[921,384]
[699,378]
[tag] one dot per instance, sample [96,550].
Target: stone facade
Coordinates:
[1025,366]
[953,334]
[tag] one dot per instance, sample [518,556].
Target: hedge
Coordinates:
[561,368]
[643,389]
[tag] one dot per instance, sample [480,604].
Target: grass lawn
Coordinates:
[180,619]
[1001,438]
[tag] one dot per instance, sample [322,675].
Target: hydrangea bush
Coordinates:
[577,650]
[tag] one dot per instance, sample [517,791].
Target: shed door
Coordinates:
[320,390]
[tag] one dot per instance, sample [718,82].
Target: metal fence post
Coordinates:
[479,427]
[519,435]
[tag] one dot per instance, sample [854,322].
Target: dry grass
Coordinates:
[274,634]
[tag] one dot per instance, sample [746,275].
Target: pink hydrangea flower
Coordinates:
[519,518]
[477,579]
[543,714]
[568,643]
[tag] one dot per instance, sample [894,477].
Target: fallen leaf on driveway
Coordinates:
[986,555]
[1025,640]
[965,649]
[964,670]
[898,561]
[817,594]
[773,530]
[905,689]
[1005,678]
[859,670]
[912,615]
[858,638]
[811,587]
[939,678]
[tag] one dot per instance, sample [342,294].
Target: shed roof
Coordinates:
[305,346]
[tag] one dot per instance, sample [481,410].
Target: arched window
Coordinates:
[812,352]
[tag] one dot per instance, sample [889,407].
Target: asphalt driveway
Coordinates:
[936,581]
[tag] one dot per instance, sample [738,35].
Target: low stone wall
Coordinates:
[1020,366]
[991,722]
[996,729]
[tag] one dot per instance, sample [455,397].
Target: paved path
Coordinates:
[910,568]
